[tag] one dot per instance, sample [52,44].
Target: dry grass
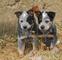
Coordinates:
[8,51]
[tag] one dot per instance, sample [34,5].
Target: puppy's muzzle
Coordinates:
[25,27]
[42,27]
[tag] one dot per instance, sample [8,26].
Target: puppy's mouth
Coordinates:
[45,30]
[42,29]
[27,29]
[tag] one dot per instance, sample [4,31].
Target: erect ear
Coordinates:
[18,13]
[51,15]
[30,12]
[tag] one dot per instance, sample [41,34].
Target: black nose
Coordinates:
[42,27]
[25,27]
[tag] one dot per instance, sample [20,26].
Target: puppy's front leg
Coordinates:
[53,43]
[21,46]
[34,51]
[35,44]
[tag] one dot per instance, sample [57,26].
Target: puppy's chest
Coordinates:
[25,33]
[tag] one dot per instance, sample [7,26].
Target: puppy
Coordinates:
[46,26]
[25,26]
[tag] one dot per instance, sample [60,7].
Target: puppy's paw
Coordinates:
[55,50]
[21,53]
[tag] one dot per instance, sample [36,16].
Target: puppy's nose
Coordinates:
[25,27]
[42,27]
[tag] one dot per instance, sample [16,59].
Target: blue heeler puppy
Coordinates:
[25,26]
[46,26]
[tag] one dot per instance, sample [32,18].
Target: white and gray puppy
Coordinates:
[46,26]
[25,26]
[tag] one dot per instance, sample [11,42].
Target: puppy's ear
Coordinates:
[30,12]
[51,15]
[18,13]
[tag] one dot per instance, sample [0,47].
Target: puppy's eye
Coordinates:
[21,20]
[46,21]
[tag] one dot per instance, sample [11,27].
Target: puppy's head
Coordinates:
[45,20]
[25,19]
